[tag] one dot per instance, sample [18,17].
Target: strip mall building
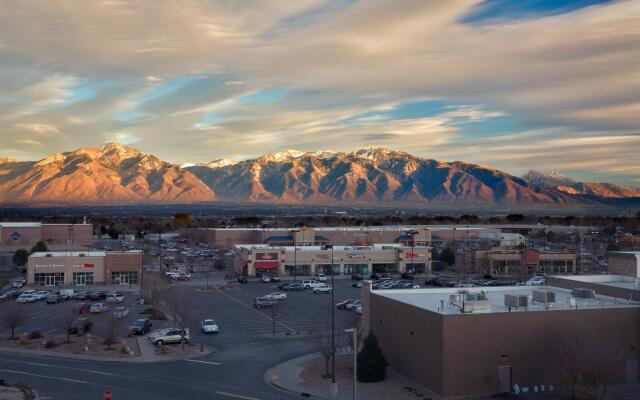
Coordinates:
[84,268]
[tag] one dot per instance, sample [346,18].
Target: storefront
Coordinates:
[56,269]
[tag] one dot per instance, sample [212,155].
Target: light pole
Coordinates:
[295,259]
[333,319]
[354,336]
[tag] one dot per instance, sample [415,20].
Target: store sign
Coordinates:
[413,255]
[266,256]
[322,256]
[15,236]
[356,256]
[49,266]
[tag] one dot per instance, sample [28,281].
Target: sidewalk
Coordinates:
[302,376]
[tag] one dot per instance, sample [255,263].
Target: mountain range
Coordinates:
[117,174]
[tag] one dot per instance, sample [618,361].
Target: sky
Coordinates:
[550,85]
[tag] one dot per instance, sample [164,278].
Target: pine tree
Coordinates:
[20,257]
[372,363]
[39,247]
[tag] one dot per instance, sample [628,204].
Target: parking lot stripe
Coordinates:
[257,312]
[202,362]
[236,396]
[11,371]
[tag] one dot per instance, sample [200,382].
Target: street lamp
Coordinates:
[333,319]
[354,336]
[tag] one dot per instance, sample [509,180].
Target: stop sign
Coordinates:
[107,395]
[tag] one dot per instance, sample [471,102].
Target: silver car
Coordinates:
[169,335]
[209,326]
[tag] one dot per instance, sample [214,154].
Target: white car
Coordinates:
[114,297]
[120,312]
[322,289]
[321,278]
[97,308]
[26,298]
[18,283]
[209,326]
[353,306]
[535,281]
[41,294]
[358,310]
[265,279]
[277,296]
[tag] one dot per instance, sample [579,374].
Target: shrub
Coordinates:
[124,347]
[35,334]
[24,340]
[372,363]
[50,344]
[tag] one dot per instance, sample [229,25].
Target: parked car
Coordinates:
[265,279]
[274,278]
[120,312]
[358,310]
[12,294]
[310,284]
[535,281]
[276,296]
[343,304]
[292,287]
[98,308]
[375,277]
[431,281]
[81,296]
[3,298]
[408,275]
[26,298]
[322,289]
[140,326]
[209,326]
[18,283]
[41,294]
[357,284]
[81,325]
[96,296]
[53,298]
[80,308]
[181,277]
[243,279]
[169,335]
[357,277]
[115,297]
[490,277]
[321,277]
[261,302]
[353,305]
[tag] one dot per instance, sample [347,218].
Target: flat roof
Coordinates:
[620,281]
[20,224]
[410,227]
[78,253]
[433,299]
[320,248]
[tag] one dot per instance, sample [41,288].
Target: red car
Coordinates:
[182,277]
[80,308]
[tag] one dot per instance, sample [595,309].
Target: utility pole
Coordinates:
[354,337]
[295,259]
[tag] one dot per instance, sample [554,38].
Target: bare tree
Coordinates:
[589,366]
[66,323]
[180,310]
[110,331]
[322,344]
[14,316]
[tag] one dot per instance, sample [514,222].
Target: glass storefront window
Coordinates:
[124,278]
[82,278]
[49,278]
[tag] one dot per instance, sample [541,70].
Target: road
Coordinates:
[234,371]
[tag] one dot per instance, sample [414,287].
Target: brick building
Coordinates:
[476,343]
[24,235]
[625,263]
[501,261]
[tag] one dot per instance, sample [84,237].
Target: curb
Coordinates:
[267,379]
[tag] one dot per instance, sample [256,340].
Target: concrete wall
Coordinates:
[602,289]
[61,234]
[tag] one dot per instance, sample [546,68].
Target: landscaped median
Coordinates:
[16,391]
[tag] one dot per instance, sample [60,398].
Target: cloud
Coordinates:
[29,142]
[43,129]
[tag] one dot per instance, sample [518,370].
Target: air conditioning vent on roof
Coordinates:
[582,293]
[541,296]
[48,255]
[516,301]
[81,255]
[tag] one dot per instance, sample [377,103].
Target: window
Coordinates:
[124,278]
[49,278]
[82,278]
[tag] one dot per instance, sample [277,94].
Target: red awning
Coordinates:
[267,264]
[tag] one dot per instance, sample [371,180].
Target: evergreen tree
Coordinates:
[613,247]
[39,247]
[372,363]
[448,256]
[20,258]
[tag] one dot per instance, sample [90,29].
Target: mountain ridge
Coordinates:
[117,173]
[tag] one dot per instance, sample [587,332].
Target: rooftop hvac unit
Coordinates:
[81,255]
[453,298]
[516,301]
[49,255]
[541,296]
[581,293]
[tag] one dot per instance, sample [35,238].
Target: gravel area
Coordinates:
[396,386]
[89,344]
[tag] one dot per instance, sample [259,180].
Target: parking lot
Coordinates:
[48,318]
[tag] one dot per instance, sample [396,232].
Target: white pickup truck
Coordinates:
[310,284]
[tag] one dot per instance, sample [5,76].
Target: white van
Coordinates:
[66,294]
[310,284]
